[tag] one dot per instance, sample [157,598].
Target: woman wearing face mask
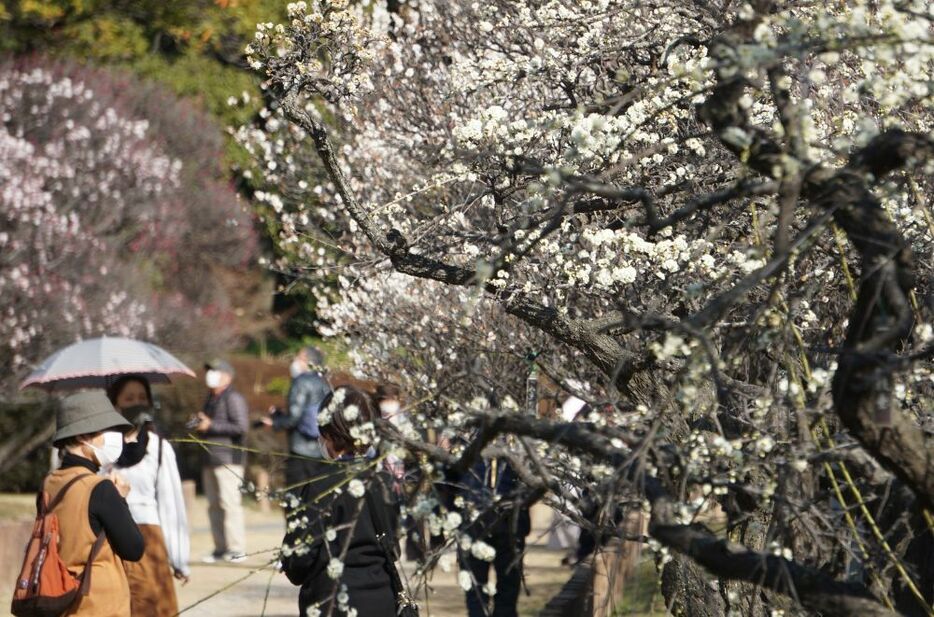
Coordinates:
[89,435]
[388,399]
[148,465]
[332,568]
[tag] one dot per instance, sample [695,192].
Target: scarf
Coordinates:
[134,451]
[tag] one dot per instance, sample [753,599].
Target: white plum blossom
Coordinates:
[483,551]
[356,488]
[335,568]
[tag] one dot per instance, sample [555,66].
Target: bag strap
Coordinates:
[158,465]
[98,543]
[61,493]
[384,538]
[86,574]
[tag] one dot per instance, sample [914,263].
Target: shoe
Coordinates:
[212,557]
[233,557]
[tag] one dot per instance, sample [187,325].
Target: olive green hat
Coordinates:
[86,412]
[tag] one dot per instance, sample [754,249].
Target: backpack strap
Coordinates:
[98,543]
[385,538]
[61,493]
[86,574]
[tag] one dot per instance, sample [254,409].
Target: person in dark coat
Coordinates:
[331,547]
[224,423]
[308,394]
[504,522]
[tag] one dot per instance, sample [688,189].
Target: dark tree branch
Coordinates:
[814,589]
[881,319]
[602,349]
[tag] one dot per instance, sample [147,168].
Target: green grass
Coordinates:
[641,595]
[17,506]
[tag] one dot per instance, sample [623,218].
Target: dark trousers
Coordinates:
[508,566]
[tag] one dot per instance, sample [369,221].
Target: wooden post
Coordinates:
[261,479]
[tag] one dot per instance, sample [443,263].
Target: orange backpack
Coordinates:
[45,587]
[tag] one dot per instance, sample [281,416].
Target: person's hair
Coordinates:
[313,356]
[338,428]
[75,440]
[113,392]
[387,392]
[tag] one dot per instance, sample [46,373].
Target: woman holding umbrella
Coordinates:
[148,465]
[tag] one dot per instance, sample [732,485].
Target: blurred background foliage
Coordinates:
[179,65]
[194,47]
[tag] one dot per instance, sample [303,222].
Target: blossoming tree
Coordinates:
[714,217]
[111,198]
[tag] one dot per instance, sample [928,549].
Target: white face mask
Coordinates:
[212,378]
[297,368]
[389,408]
[108,453]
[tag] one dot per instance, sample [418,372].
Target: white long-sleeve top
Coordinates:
[165,507]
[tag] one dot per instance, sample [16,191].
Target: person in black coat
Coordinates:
[504,522]
[331,547]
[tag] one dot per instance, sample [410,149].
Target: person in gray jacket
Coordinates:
[308,394]
[224,423]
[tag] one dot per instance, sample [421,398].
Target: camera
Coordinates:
[192,423]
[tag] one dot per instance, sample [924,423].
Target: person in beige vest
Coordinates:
[89,436]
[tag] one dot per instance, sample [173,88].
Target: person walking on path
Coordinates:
[148,465]
[308,394]
[224,423]
[89,435]
[337,514]
[388,400]
[492,485]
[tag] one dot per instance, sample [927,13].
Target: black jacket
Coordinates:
[495,489]
[307,551]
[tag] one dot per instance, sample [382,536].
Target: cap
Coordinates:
[219,364]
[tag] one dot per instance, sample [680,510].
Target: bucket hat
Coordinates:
[86,412]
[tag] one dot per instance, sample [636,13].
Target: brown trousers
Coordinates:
[152,587]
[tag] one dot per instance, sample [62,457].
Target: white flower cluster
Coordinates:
[356,488]
[482,551]
[68,165]
[291,53]
[465,580]
[335,568]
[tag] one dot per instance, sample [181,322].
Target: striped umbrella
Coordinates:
[98,362]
